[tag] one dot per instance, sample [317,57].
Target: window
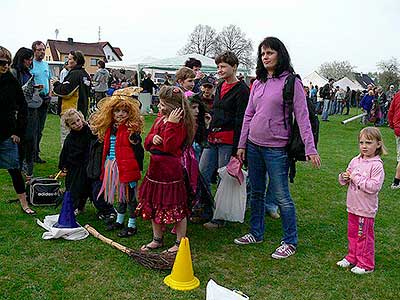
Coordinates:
[93,61]
[108,56]
[65,58]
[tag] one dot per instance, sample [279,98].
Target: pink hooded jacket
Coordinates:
[365,182]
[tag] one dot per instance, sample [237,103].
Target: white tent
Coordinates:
[346,82]
[315,79]
[174,63]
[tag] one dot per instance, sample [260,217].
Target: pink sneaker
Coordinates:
[284,251]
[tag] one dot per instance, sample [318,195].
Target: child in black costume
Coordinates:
[74,158]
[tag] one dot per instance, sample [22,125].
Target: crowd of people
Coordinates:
[201,124]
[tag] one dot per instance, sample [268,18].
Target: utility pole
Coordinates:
[99,33]
[57,32]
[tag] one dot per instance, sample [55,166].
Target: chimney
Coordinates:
[70,41]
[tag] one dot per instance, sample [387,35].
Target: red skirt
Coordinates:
[162,195]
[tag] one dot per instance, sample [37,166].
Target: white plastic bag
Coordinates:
[230,198]
[217,292]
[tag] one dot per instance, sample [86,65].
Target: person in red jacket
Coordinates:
[163,196]
[394,123]
[118,123]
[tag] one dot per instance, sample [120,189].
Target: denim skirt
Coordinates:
[9,155]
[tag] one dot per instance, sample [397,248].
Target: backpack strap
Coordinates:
[287,95]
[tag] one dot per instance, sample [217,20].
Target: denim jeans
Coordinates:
[214,157]
[274,163]
[41,117]
[270,204]
[325,110]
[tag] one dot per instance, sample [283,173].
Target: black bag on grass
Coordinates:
[43,191]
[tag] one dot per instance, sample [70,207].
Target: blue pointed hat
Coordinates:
[67,216]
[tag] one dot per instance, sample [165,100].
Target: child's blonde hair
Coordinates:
[374,134]
[173,97]
[184,73]
[69,114]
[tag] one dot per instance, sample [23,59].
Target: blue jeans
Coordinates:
[325,110]
[214,157]
[274,163]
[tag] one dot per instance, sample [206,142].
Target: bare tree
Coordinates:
[231,38]
[337,69]
[201,41]
[389,72]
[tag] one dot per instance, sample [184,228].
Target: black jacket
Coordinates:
[75,151]
[13,112]
[76,78]
[228,112]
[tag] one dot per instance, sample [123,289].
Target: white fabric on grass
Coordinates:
[71,234]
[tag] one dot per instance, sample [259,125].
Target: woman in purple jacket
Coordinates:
[264,138]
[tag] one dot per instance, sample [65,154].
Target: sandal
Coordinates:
[172,252]
[29,211]
[157,240]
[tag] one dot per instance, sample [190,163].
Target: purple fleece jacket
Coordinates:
[263,122]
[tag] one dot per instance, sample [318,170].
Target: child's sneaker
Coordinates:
[344,263]
[395,186]
[284,251]
[114,226]
[127,232]
[360,271]
[246,240]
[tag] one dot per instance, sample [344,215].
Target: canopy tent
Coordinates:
[132,66]
[174,63]
[315,79]
[346,82]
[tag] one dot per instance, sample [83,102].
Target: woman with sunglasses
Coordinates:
[12,126]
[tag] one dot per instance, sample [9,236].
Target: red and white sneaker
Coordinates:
[284,251]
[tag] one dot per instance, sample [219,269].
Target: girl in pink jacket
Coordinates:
[364,176]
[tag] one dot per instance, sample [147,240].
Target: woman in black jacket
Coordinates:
[74,90]
[12,126]
[20,68]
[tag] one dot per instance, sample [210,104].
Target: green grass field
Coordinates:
[32,268]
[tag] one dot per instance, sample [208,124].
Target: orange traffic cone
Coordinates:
[182,276]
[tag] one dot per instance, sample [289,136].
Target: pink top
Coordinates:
[365,182]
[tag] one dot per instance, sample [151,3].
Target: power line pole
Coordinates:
[99,33]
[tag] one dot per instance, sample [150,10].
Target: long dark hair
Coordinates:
[284,63]
[201,132]
[18,61]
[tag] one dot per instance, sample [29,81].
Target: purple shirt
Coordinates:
[263,122]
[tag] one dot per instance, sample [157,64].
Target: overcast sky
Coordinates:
[362,32]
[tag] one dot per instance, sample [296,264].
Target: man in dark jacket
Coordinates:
[327,94]
[148,85]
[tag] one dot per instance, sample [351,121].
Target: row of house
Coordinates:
[359,81]
[57,50]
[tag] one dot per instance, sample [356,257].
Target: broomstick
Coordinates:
[146,259]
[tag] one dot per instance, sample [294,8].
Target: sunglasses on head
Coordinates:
[4,62]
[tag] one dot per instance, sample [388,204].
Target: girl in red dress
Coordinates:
[163,197]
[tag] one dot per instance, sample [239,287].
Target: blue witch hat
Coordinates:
[67,216]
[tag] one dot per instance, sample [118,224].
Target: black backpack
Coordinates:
[295,147]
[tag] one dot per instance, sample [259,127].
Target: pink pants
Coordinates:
[360,233]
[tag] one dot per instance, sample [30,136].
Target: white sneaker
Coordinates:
[344,263]
[395,186]
[360,271]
